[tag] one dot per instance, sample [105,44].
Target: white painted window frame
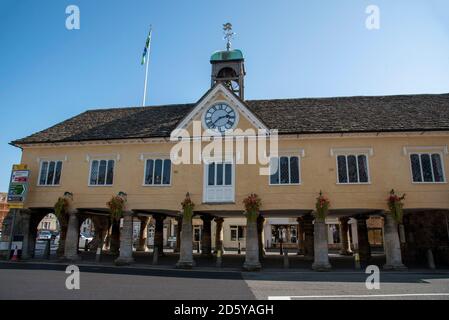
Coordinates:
[367,152]
[144,184]
[91,160]
[41,162]
[221,158]
[430,153]
[299,154]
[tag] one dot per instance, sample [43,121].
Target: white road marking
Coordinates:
[359,296]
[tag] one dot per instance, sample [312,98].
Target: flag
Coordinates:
[145,50]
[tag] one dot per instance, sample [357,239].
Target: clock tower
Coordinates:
[228,66]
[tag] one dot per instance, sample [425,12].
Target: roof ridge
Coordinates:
[141,107]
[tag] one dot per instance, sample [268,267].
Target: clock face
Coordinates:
[220,117]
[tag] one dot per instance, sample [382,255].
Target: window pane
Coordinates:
[43,177]
[426,168]
[158,171]
[241,232]
[342,174]
[167,172]
[274,170]
[294,170]
[110,172]
[149,172]
[219,174]
[352,169]
[102,172]
[228,174]
[416,168]
[51,173]
[94,172]
[437,168]
[211,178]
[284,169]
[363,168]
[58,172]
[233,234]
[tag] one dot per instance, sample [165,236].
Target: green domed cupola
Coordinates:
[228,65]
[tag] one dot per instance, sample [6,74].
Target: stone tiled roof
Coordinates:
[318,115]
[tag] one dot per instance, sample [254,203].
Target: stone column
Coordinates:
[72,238]
[252,262]
[186,254]
[308,239]
[206,239]
[321,257]
[126,240]
[260,222]
[63,222]
[218,235]
[114,239]
[299,235]
[344,250]
[362,240]
[392,245]
[178,234]
[159,233]
[142,246]
[26,217]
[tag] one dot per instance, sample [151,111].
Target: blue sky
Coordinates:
[292,48]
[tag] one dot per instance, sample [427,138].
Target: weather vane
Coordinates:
[228,34]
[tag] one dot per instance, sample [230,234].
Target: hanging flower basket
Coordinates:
[252,205]
[61,207]
[322,207]
[187,207]
[116,206]
[395,204]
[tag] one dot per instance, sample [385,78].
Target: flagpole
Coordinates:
[146,69]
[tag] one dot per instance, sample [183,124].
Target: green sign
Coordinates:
[18,186]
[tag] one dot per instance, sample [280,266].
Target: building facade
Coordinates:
[3,207]
[352,149]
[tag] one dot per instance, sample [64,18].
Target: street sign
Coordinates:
[18,186]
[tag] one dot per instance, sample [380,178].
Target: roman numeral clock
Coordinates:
[220,117]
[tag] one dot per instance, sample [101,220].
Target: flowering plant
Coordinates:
[61,206]
[395,205]
[116,206]
[252,205]
[187,207]
[322,207]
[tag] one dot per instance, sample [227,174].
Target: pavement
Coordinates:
[46,280]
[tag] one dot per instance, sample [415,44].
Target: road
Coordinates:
[47,281]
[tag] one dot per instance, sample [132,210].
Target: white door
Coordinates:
[219,182]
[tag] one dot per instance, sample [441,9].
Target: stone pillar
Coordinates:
[344,250]
[362,240]
[185,253]
[142,246]
[26,217]
[218,235]
[63,222]
[321,257]
[178,234]
[392,245]
[252,262]
[299,235]
[114,239]
[206,239]
[308,239]
[159,233]
[260,222]
[126,240]
[72,238]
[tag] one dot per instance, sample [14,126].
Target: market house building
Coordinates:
[353,149]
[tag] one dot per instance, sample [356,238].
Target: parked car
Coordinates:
[44,235]
[82,241]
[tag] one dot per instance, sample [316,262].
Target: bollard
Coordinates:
[198,247]
[286,262]
[239,251]
[281,252]
[430,259]
[219,259]
[47,250]
[98,254]
[357,261]
[86,245]
[155,255]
